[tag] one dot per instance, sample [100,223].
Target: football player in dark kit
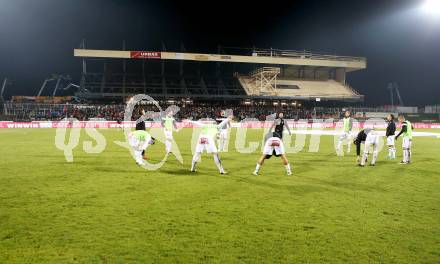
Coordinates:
[279,124]
[391,130]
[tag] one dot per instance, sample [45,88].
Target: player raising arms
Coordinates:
[169,123]
[139,140]
[346,134]
[206,141]
[371,140]
[223,133]
[406,131]
[273,146]
[391,130]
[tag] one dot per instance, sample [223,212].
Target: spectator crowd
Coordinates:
[38,112]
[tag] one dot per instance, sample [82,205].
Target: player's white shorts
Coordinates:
[168,134]
[345,135]
[206,143]
[406,143]
[390,140]
[372,140]
[274,144]
[138,145]
[223,133]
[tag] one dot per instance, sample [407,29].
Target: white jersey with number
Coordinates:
[137,144]
[273,144]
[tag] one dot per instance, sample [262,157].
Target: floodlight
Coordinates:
[431,7]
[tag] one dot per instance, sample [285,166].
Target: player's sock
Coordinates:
[288,169]
[394,152]
[138,157]
[168,145]
[338,146]
[373,160]
[409,155]
[194,161]
[257,168]
[193,166]
[405,155]
[390,152]
[218,163]
[364,158]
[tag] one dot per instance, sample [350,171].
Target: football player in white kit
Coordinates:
[206,142]
[273,146]
[371,140]
[223,133]
[169,124]
[139,140]
[406,133]
[346,134]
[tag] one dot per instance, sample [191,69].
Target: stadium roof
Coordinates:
[270,57]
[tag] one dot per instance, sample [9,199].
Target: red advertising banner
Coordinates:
[145,55]
[186,124]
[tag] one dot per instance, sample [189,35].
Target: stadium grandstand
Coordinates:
[253,75]
[254,83]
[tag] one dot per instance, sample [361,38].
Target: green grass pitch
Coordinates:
[102,208]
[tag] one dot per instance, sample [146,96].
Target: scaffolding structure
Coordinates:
[266,80]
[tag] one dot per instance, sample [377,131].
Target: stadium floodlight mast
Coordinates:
[5,83]
[432,8]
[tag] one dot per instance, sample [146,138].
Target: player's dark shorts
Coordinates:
[273,154]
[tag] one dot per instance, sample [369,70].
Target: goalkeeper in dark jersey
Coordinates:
[279,124]
[391,130]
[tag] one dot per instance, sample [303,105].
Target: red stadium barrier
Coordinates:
[185,124]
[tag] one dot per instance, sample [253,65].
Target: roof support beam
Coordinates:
[349,63]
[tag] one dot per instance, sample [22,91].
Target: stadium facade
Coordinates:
[256,75]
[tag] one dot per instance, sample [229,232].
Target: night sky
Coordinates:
[402,44]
